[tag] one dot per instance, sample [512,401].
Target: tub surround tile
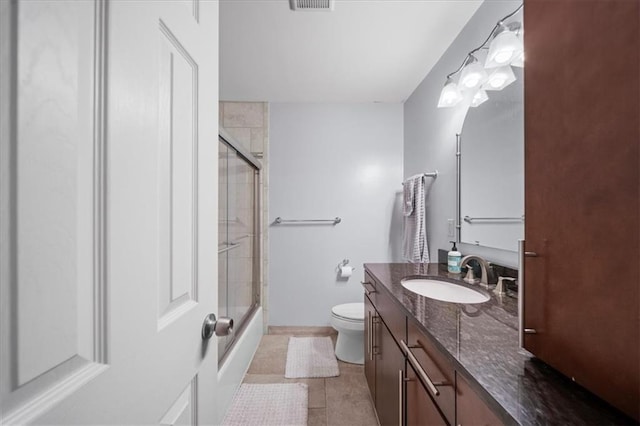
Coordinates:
[257,140]
[242,135]
[482,341]
[243,114]
[248,122]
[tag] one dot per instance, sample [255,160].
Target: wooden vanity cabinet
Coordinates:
[470,408]
[384,361]
[399,391]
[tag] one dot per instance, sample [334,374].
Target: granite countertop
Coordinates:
[482,342]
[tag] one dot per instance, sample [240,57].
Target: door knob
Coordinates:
[221,327]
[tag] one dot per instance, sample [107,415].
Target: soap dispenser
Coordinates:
[454,259]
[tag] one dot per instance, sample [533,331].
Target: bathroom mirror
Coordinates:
[492,170]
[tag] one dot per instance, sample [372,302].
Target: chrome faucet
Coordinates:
[484,266]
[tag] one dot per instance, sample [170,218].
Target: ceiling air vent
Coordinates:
[312,5]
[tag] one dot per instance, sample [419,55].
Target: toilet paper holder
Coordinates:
[344,270]
[344,262]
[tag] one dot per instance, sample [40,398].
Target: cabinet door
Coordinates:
[582,133]
[470,408]
[370,319]
[437,367]
[421,410]
[389,378]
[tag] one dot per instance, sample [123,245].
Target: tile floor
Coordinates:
[342,400]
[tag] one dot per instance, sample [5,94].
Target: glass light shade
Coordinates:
[499,78]
[473,75]
[450,95]
[479,98]
[504,48]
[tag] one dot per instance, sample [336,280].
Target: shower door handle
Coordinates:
[221,327]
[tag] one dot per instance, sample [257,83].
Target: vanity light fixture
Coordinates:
[504,49]
[450,95]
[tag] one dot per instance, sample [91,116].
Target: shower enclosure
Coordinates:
[238,237]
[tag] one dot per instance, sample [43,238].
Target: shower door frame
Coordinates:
[246,155]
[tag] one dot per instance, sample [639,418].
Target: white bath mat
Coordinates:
[269,404]
[311,357]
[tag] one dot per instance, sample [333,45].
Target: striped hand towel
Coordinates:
[414,244]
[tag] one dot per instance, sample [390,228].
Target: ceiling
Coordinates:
[362,51]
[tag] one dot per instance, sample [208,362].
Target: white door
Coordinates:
[108,220]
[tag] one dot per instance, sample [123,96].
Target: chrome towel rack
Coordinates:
[469,219]
[280,220]
[433,174]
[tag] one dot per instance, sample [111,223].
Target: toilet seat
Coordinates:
[351,312]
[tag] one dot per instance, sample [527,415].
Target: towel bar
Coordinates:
[429,174]
[280,220]
[469,219]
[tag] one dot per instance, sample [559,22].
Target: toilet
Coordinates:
[348,320]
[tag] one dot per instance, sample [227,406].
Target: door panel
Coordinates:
[184,410]
[470,409]
[370,324]
[177,177]
[108,239]
[53,333]
[421,410]
[582,184]
[389,362]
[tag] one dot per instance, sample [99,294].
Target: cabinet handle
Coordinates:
[521,278]
[369,343]
[366,290]
[400,395]
[416,365]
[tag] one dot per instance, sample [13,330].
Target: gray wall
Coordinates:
[329,160]
[430,133]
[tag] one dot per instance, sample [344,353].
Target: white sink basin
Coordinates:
[443,290]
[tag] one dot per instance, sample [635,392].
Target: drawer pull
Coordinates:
[416,365]
[365,284]
[400,394]
[369,334]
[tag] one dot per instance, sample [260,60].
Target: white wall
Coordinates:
[330,160]
[430,133]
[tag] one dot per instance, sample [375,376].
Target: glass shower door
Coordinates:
[238,255]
